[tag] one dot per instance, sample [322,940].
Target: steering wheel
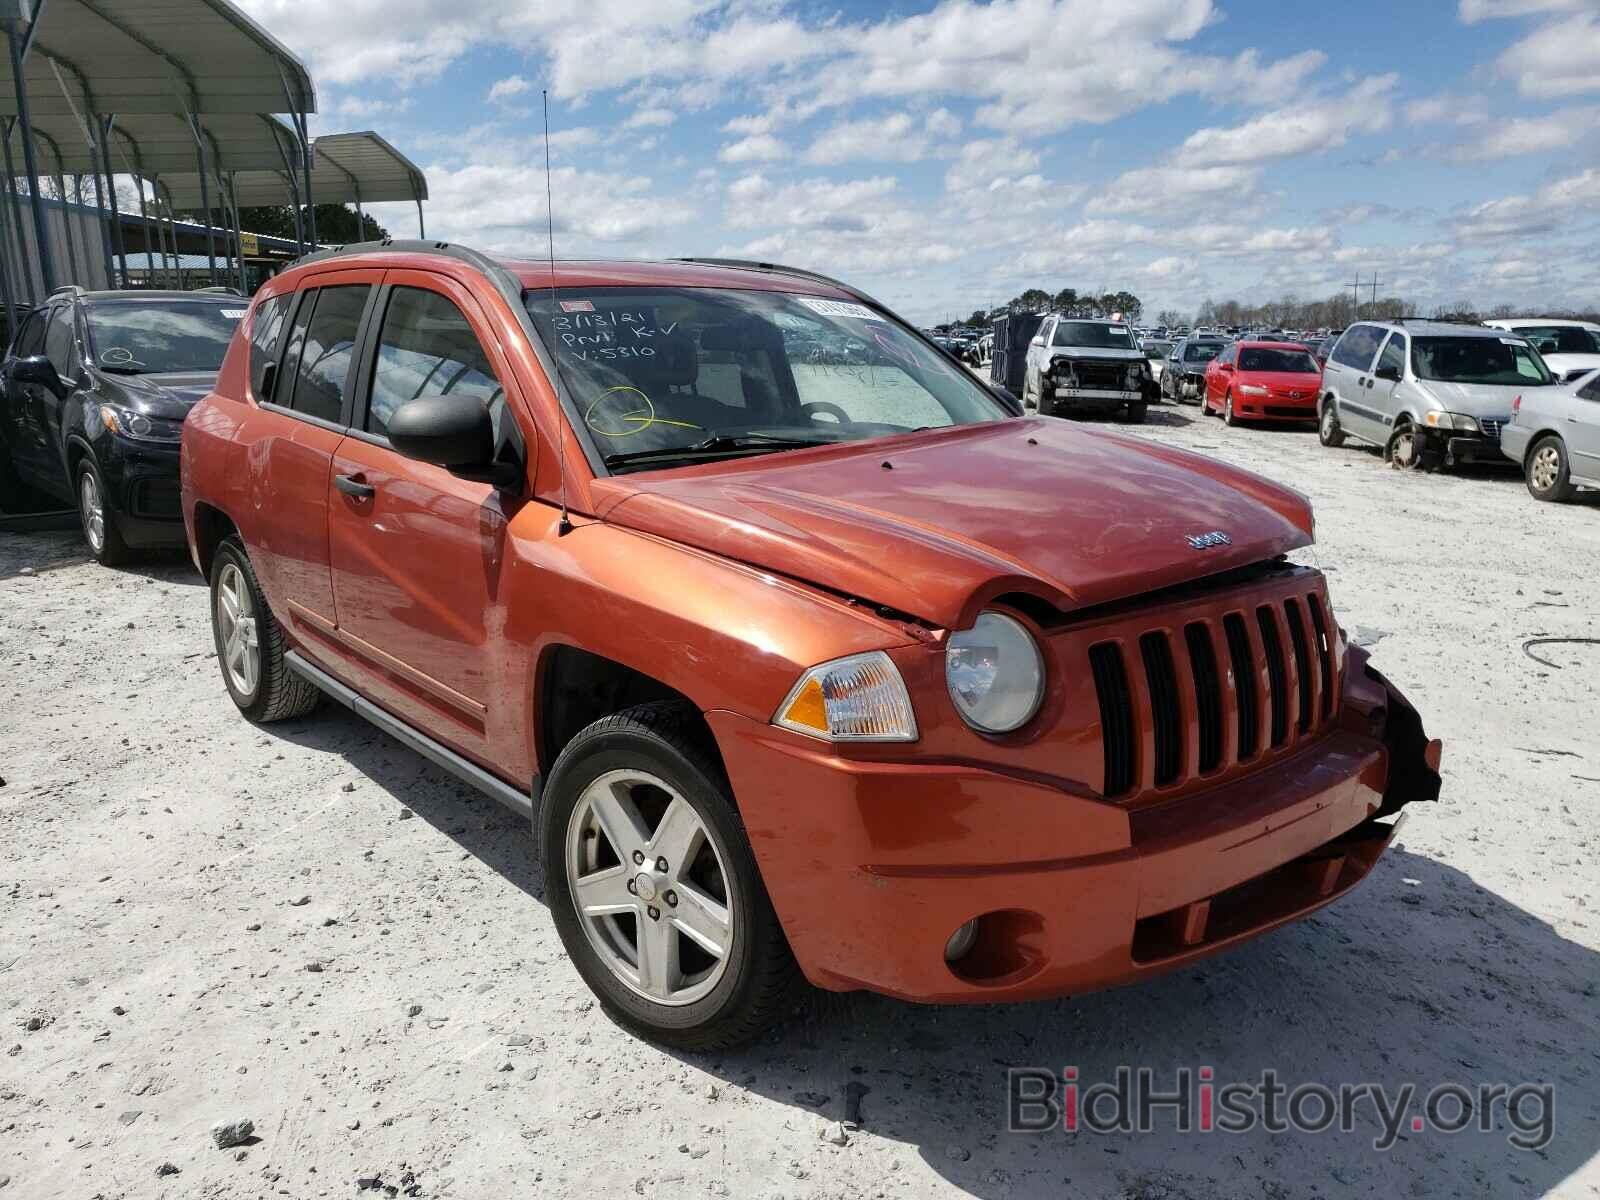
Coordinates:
[823,406]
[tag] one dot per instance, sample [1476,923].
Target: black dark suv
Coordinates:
[93,393]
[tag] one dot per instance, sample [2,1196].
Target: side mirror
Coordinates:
[36,368]
[1038,341]
[1392,374]
[454,432]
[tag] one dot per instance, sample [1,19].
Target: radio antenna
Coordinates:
[564,525]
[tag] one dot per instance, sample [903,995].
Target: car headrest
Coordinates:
[675,362]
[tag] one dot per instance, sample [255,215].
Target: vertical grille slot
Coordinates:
[1277,675]
[1302,660]
[1116,716]
[1207,693]
[1244,683]
[1319,625]
[1166,721]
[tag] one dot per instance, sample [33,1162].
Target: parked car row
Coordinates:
[798,671]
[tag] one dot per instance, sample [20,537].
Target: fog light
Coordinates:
[961,941]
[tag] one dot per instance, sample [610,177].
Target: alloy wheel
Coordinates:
[236,622]
[649,881]
[1545,468]
[93,510]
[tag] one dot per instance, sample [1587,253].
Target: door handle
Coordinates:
[354,486]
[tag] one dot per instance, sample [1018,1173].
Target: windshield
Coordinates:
[1561,339]
[1093,334]
[1483,360]
[1201,351]
[1293,361]
[717,371]
[139,337]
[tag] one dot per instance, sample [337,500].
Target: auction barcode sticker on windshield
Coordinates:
[572,306]
[234,314]
[838,308]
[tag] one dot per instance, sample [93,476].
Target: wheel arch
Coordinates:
[211,526]
[1538,436]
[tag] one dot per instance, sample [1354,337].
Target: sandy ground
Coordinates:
[311,927]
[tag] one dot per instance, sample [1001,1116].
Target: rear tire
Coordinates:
[250,643]
[1329,431]
[648,760]
[1137,412]
[1547,471]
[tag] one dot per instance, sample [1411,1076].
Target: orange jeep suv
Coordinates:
[804,655]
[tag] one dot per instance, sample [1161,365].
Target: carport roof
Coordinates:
[154,56]
[346,168]
[161,144]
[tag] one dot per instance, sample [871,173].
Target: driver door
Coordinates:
[1583,430]
[26,419]
[1386,375]
[419,554]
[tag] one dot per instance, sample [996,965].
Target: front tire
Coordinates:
[99,522]
[1329,432]
[250,643]
[1228,417]
[1547,472]
[1404,447]
[654,888]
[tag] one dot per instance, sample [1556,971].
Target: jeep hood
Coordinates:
[937,524]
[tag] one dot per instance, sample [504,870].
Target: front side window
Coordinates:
[31,340]
[1481,360]
[427,348]
[152,337]
[658,372]
[1093,334]
[58,342]
[1261,358]
[1394,355]
[1357,346]
[324,373]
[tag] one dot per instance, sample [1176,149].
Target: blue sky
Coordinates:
[944,156]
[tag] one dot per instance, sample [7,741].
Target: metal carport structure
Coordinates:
[95,65]
[347,168]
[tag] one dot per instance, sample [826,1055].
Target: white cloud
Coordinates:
[894,138]
[1473,11]
[650,118]
[504,89]
[1513,136]
[758,147]
[1557,59]
[1172,189]
[1550,208]
[1297,129]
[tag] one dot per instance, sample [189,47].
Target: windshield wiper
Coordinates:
[717,443]
[120,369]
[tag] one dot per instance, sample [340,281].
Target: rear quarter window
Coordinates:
[266,332]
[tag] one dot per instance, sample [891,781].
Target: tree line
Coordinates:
[1068,301]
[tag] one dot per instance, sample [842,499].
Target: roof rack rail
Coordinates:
[220,290]
[68,289]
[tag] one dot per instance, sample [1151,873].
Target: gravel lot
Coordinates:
[310,927]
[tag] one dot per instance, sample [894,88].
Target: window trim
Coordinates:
[306,294]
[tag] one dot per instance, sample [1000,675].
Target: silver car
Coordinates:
[1430,393]
[1555,434]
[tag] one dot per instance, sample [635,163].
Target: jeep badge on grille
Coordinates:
[1204,541]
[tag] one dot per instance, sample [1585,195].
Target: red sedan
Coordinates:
[1263,380]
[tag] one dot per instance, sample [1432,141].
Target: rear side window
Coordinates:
[427,348]
[323,376]
[1357,346]
[265,338]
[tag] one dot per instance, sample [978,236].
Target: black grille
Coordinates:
[1277,676]
[1102,376]
[1207,694]
[1491,429]
[1244,683]
[1116,716]
[1302,662]
[1319,625]
[1165,719]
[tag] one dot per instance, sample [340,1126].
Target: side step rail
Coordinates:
[434,752]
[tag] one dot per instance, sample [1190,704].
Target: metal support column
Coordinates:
[118,245]
[14,218]
[205,199]
[66,216]
[41,231]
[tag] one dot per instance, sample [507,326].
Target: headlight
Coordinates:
[136,425]
[1135,375]
[856,699]
[1251,389]
[1445,420]
[995,674]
